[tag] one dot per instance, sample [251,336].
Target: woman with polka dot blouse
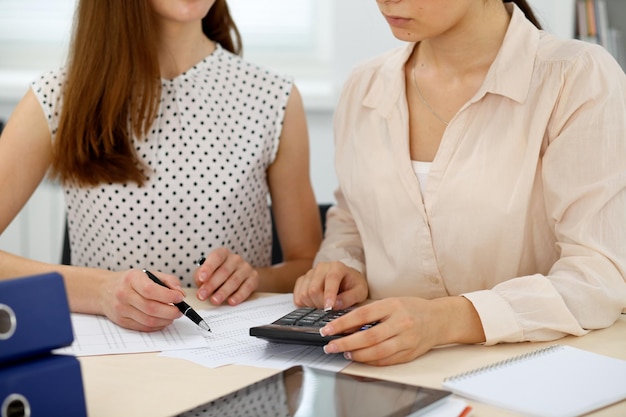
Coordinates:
[169,146]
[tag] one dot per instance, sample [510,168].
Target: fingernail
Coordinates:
[202,295]
[338,304]
[328,305]
[179,298]
[216,299]
[347,355]
[326,330]
[330,348]
[202,276]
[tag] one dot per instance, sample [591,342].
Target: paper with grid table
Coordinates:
[228,342]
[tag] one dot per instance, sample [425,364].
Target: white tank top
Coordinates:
[421,170]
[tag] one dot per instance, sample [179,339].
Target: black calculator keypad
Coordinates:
[301,326]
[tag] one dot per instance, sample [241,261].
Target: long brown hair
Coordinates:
[528,11]
[112,88]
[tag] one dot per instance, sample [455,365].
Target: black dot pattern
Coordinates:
[266,398]
[207,153]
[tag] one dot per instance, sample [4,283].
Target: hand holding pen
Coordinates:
[182,306]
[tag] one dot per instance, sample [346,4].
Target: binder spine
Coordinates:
[496,365]
[34,316]
[50,386]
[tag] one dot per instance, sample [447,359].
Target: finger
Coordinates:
[316,286]
[332,281]
[361,337]
[297,291]
[356,319]
[211,263]
[350,297]
[131,324]
[344,287]
[172,282]
[245,289]
[217,278]
[238,286]
[144,323]
[385,344]
[149,315]
[148,289]
[301,291]
[227,279]
[372,345]
[385,353]
[152,301]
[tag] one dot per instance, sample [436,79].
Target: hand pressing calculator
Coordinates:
[301,326]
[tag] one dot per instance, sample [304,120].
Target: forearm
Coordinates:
[281,278]
[84,286]
[456,321]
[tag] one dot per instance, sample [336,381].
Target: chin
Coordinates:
[405,35]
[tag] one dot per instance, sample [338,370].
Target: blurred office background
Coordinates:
[316,41]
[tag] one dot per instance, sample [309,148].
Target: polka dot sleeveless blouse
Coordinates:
[208,150]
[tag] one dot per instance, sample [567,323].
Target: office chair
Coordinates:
[66,255]
[277,254]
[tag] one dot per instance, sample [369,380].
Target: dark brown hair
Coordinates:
[112,88]
[528,11]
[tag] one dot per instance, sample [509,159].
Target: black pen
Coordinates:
[182,306]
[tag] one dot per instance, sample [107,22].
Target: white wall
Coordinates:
[359,33]
[556,16]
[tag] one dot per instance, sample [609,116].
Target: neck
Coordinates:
[468,47]
[181,47]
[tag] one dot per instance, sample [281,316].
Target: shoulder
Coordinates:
[48,88]
[49,81]
[250,72]
[574,55]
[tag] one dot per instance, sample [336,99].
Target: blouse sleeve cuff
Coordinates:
[498,318]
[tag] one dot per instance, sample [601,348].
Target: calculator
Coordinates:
[301,326]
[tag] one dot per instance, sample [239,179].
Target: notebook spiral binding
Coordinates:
[504,363]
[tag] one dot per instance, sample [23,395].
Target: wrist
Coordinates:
[87,295]
[459,321]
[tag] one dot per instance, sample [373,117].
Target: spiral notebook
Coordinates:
[557,381]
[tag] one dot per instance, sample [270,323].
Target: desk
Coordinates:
[149,385]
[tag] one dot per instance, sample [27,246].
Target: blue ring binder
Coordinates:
[8,322]
[15,405]
[34,320]
[34,316]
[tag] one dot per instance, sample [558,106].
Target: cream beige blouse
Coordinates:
[524,211]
